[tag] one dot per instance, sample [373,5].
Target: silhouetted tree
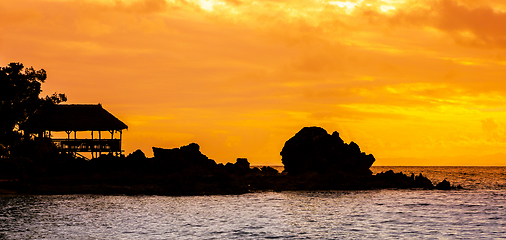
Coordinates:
[19,99]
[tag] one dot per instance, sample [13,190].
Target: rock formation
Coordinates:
[181,158]
[312,149]
[313,159]
[389,179]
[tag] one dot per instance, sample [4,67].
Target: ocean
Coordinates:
[477,211]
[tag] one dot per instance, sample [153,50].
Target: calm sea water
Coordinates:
[479,211]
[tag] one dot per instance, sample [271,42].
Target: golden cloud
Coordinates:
[401,78]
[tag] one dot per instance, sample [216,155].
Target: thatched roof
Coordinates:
[74,117]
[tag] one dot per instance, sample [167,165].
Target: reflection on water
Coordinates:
[329,214]
[473,213]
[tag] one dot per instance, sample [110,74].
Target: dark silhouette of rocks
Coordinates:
[242,163]
[182,158]
[137,154]
[314,160]
[389,179]
[445,185]
[312,149]
[240,167]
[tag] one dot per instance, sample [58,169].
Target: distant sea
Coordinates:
[477,211]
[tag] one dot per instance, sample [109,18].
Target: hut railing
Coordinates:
[88,145]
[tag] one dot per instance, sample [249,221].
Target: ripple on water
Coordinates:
[477,212]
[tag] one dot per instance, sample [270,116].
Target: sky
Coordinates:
[411,82]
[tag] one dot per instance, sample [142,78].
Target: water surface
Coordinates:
[476,212]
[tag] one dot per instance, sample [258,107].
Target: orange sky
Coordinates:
[412,82]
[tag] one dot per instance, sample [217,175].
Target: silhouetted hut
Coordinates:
[73,118]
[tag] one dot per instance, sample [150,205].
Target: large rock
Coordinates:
[241,166]
[183,157]
[312,149]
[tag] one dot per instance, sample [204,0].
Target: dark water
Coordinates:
[476,212]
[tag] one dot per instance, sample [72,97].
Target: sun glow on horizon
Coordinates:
[404,79]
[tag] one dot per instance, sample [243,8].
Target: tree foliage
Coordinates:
[19,99]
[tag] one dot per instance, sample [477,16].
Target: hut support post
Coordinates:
[75,146]
[68,138]
[112,137]
[120,138]
[92,146]
[99,143]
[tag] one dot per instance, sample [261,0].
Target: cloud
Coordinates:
[480,25]
[259,71]
[467,22]
[493,130]
[489,125]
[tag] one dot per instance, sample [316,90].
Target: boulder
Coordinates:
[183,157]
[138,154]
[446,185]
[242,163]
[312,149]
[241,166]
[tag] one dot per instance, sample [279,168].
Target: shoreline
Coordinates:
[254,180]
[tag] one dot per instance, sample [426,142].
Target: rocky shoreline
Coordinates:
[220,183]
[313,160]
